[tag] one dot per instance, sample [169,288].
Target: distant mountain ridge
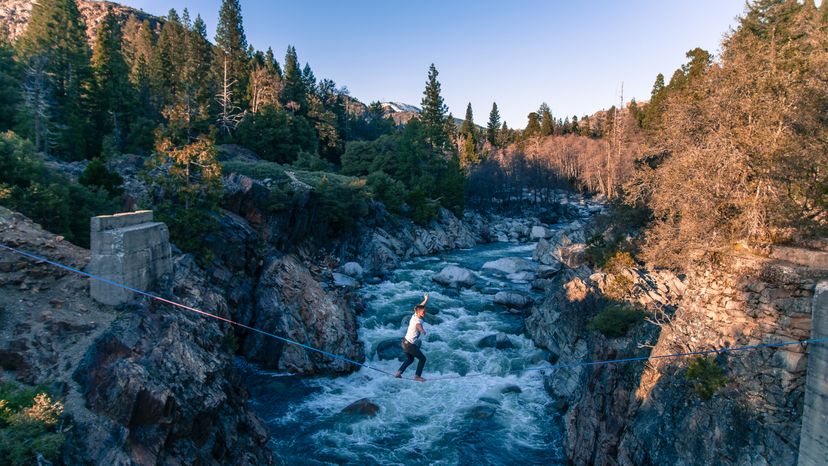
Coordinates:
[15,14]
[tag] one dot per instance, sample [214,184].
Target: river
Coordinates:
[491,412]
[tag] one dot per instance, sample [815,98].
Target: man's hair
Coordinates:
[418,307]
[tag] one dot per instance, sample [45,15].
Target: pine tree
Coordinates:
[143,49]
[231,42]
[310,79]
[493,125]
[199,90]
[433,114]
[114,101]
[576,129]
[168,59]
[10,81]
[547,123]
[504,135]
[467,129]
[57,34]
[532,127]
[293,94]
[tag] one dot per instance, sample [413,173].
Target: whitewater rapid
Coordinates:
[496,414]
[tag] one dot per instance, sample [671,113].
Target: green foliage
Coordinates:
[547,123]
[705,375]
[257,170]
[433,114]
[364,157]
[294,93]
[389,191]
[56,38]
[372,125]
[10,77]
[619,261]
[97,175]
[615,320]
[311,162]
[532,127]
[493,126]
[619,287]
[276,135]
[185,183]
[114,93]
[430,179]
[599,250]
[28,419]
[231,43]
[45,196]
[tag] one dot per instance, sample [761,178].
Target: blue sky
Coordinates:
[573,55]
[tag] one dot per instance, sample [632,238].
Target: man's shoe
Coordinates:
[398,374]
[419,379]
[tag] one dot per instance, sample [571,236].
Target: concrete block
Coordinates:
[121,220]
[129,249]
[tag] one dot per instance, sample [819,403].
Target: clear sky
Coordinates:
[572,54]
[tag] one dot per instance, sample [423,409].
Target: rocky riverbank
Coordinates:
[142,384]
[650,413]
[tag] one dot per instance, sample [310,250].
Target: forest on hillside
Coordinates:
[731,148]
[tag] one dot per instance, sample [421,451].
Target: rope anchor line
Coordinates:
[367,366]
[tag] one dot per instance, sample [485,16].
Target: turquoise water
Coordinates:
[499,415]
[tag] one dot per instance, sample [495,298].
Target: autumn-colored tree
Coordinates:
[743,143]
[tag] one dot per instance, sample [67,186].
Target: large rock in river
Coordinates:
[511,265]
[291,303]
[391,349]
[362,407]
[512,299]
[499,341]
[455,277]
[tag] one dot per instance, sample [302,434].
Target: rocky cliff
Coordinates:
[141,384]
[649,413]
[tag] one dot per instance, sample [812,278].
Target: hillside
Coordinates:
[14,15]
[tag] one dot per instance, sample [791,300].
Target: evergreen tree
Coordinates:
[168,59]
[532,127]
[310,79]
[10,75]
[504,135]
[547,123]
[433,114]
[56,36]
[198,90]
[467,129]
[654,110]
[293,94]
[231,42]
[114,101]
[493,125]
[576,129]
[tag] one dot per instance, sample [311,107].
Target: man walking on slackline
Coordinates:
[411,342]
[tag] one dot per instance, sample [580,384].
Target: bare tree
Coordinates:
[230,114]
[37,102]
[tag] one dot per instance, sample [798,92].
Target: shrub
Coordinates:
[618,287]
[705,375]
[615,320]
[186,187]
[96,174]
[311,161]
[619,261]
[28,420]
[47,196]
[277,135]
[388,190]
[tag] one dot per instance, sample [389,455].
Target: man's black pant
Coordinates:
[412,351]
